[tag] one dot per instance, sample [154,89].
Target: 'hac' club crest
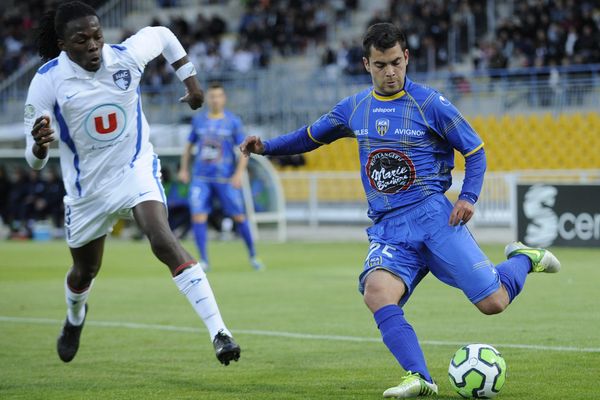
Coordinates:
[122,79]
[382,125]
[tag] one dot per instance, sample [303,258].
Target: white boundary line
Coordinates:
[291,335]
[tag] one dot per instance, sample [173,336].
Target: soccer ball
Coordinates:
[478,371]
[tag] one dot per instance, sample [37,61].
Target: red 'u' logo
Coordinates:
[112,124]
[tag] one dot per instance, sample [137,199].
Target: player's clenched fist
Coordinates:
[194,99]
[42,133]
[252,144]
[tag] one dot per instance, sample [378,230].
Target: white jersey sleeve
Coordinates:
[40,100]
[151,41]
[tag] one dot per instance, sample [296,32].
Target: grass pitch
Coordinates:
[304,331]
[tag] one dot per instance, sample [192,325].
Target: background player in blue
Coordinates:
[217,172]
[407,133]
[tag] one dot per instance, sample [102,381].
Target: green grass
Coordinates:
[308,288]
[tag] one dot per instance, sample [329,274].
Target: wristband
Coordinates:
[468,196]
[185,71]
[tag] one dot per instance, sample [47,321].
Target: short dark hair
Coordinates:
[383,36]
[53,23]
[215,85]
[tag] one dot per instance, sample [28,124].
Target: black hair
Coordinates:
[53,23]
[383,36]
[216,85]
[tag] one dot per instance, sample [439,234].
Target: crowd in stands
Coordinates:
[28,196]
[267,28]
[215,43]
[18,24]
[560,32]
[32,200]
[536,33]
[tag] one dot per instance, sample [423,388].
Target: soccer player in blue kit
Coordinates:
[217,172]
[406,134]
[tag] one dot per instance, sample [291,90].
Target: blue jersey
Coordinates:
[215,140]
[406,143]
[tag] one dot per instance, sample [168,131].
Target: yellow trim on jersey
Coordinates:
[220,115]
[312,138]
[475,150]
[388,98]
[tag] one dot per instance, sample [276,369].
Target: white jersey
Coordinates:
[97,116]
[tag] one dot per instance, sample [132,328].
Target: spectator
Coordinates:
[25,199]
[34,200]
[51,200]
[5,188]
[17,215]
[586,48]
[243,59]
[177,202]
[354,58]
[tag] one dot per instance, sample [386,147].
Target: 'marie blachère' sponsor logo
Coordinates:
[390,171]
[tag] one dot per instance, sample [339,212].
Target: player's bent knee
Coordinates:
[493,304]
[377,295]
[239,218]
[200,218]
[373,301]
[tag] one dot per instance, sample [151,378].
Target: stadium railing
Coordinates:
[285,96]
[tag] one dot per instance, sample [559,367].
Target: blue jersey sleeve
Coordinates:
[295,142]
[475,166]
[325,130]
[333,125]
[449,123]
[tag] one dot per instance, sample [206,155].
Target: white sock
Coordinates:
[76,304]
[193,283]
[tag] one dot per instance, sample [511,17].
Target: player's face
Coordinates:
[387,69]
[215,98]
[83,42]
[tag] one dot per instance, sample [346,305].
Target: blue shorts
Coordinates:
[410,245]
[203,192]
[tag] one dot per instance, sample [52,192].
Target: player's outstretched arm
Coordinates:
[296,142]
[252,144]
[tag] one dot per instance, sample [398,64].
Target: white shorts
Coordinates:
[93,216]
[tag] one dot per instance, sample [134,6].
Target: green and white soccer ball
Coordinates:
[477,371]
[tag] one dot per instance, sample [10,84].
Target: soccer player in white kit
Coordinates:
[87,97]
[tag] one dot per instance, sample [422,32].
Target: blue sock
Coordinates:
[200,236]
[401,339]
[513,273]
[243,228]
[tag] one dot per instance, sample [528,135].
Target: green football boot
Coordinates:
[542,260]
[411,385]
